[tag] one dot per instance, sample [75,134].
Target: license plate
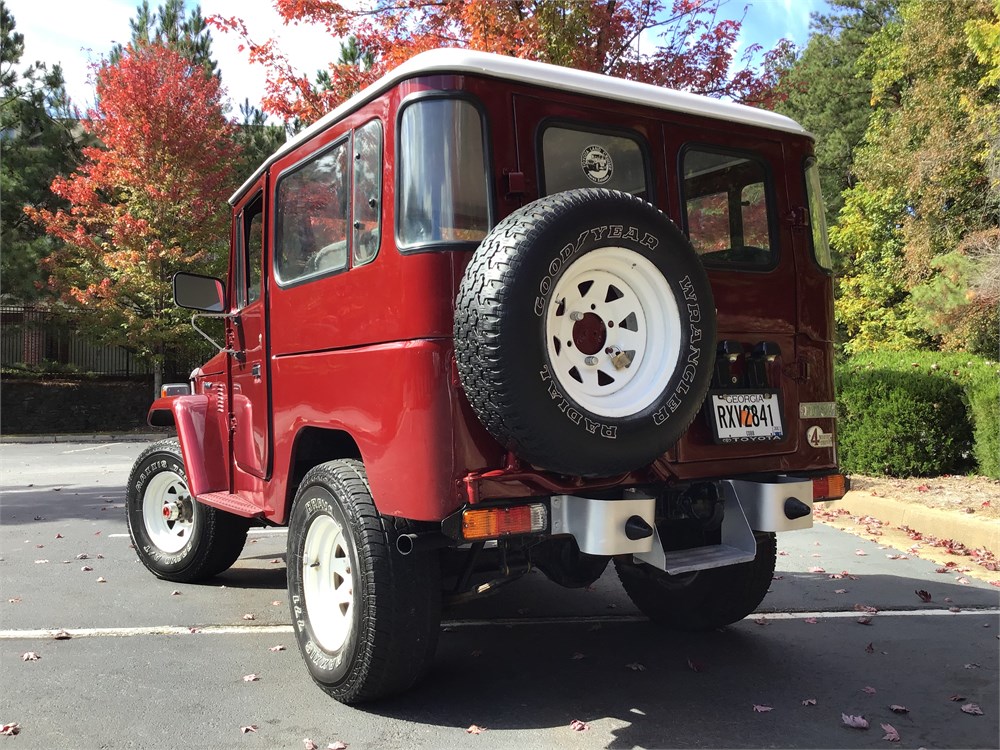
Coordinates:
[746,416]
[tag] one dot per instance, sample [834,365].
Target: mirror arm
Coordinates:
[235,317]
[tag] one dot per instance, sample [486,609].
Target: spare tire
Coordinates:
[585,333]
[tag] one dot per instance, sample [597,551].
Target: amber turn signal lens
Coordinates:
[830,487]
[490,523]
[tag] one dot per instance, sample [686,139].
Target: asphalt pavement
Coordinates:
[154,664]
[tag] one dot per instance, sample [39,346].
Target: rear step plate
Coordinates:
[703,558]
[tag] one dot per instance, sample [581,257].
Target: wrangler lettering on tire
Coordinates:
[584,332]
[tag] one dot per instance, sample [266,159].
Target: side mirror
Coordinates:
[196,292]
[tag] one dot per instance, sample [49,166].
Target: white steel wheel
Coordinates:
[168,512]
[328,582]
[613,332]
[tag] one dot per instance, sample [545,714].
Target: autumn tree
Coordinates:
[39,142]
[924,191]
[150,201]
[690,49]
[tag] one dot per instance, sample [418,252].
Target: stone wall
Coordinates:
[67,406]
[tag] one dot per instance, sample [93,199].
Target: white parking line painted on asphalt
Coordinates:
[48,634]
[92,448]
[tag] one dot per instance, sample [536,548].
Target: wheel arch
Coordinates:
[313,446]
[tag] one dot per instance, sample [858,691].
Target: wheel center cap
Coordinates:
[171,511]
[589,334]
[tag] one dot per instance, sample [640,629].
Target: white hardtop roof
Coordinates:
[540,74]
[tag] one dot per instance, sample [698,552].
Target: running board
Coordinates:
[230,503]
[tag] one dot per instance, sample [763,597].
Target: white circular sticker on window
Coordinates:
[597,164]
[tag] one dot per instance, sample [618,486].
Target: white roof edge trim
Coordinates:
[540,74]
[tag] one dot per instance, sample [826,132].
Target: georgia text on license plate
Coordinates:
[746,417]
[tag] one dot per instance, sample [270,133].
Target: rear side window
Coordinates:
[443,177]
[579,158]
[727,211]
[312,223]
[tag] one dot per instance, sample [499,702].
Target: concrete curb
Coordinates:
[973,532]
[99,437]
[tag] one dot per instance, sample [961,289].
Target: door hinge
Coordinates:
[797,371]
[232,423]
[797,218]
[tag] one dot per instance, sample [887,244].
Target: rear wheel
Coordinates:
[366,618]
[704,599]
[175,536]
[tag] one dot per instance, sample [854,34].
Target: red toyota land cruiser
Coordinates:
[492,315]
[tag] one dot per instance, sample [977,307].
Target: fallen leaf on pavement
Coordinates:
[956,697]
[175,592]
[897,709]
[972,708]
[857,722]
[40,562]
[249,616]
[473,729]
[9,730]
[30,656]
[61,635]
[860,553]
[82,556]
[811,620]
[761,621]
[309,744]
[890,733]
[276,603]
[636,667]
[578,726]
[973,665]
[275,560]
[864,621]
[870,648]
[809,702]
[86,568]
[577,656]
[816,570]
[59,536]
[869,689]
[194,630]
[279,647]
[924,595]
[251,677]
[761,709]
[337,745]
[840,591]
[14,600]
[102,579]
[249,728]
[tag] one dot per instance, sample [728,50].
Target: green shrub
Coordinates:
[919,413]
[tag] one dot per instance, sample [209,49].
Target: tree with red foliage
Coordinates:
[674,43]
[149,201]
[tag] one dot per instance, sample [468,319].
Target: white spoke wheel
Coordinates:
[175,536]
[585,333]
[328,582]
[613,332]
[366,618]
[167,512]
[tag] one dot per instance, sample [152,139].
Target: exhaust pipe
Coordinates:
[409,543]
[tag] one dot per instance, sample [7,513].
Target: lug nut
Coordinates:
[576,315]
[590,361]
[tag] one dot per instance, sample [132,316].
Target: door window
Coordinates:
[251,257]
[367,191]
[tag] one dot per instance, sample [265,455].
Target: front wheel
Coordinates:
[366,618]
[704,599]
[176,537]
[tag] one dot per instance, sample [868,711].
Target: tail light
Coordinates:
[830,487]
[490,523]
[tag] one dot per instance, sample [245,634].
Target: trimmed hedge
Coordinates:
[919,414]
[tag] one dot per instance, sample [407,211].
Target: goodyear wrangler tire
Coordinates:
[176,537]
[366,618]
[585,333]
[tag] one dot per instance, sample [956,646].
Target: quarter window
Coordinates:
[312,222]
[817,216]
[443,187]
[726,205]
[577,158]
[367,191]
